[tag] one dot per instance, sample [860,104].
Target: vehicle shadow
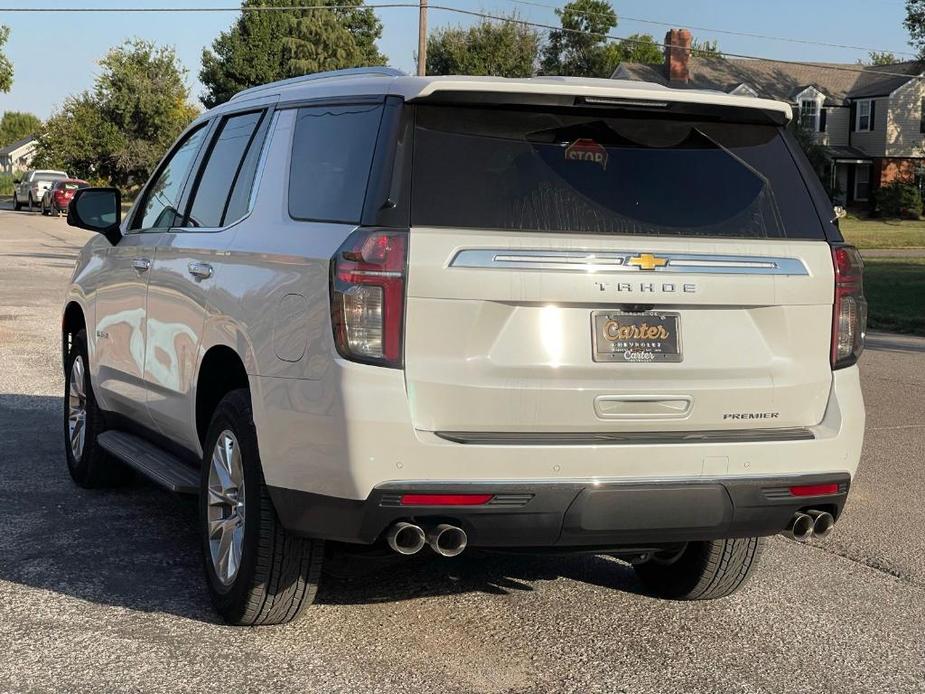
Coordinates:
[136,546]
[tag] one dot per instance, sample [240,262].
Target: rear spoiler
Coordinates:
[670,106]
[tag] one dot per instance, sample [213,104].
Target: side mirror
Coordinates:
[99,210]
[17,181]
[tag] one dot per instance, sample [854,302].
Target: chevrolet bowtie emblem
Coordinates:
[647,261]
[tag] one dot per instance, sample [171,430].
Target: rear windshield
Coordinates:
[589,173]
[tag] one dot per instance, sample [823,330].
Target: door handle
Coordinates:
[141,264]
[201,271]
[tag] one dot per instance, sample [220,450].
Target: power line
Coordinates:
[446,8]
[766,37]
[624,39]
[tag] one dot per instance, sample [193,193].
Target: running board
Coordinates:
[152,462]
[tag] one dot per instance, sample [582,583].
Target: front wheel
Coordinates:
[16,204]
[88,464]
[701,570]
[31,203]
[257,573]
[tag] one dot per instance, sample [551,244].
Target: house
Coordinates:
[870,119]
[17,156]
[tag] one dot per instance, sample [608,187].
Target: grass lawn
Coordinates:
[895,290]
[883,233]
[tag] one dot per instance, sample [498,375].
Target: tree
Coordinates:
[579,48]
[120,129]
[882,58]
[6,67]
[17,126]
[706,49]
[502,49]
[265,46]
[915,25]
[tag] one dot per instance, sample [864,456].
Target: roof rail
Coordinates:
[349,72]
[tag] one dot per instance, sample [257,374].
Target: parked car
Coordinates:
[57,198]
[32,186]
[537,314]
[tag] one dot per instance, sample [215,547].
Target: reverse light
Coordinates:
[814,489]
[849,310]
[445,499]
[368,296]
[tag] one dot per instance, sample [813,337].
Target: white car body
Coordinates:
[498,389]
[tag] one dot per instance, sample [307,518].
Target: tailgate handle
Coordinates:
[643,406]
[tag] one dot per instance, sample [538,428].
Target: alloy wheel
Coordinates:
[77,408]
[225,507]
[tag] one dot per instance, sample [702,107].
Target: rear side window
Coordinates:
[222,171]
[587,172]
[332,152]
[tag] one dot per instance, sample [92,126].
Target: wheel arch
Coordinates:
[221,371]
[73,321]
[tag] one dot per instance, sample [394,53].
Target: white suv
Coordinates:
[546,313]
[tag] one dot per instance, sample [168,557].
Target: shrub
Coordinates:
[900,200]
[6,185]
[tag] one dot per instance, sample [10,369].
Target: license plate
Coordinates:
[654,336]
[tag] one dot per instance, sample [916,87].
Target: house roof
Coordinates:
[13,146]
[782,81]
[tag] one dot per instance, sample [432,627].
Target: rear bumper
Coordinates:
[571,514]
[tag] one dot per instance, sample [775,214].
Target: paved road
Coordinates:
[101,590]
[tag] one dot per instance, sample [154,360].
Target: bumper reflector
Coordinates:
[445,499]
[814,489]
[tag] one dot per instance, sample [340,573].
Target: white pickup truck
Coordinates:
[32,186]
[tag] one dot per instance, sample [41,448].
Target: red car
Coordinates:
[59,194]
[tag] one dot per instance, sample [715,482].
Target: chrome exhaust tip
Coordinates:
[823,523]
[447,540]
[405,538]
[800,527]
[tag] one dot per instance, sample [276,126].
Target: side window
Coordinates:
[331,154]
[222,171]
[159,207]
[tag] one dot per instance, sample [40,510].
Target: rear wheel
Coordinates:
[31,203]
[701,570]
[44,209]
[88,464]
[257,573]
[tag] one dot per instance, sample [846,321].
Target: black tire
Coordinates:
[45,211]
[703,570]
[94,467]
[31,203]
[278,574]
[16,204]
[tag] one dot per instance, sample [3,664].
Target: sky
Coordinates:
[55,54]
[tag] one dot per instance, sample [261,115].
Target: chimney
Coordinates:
[677,55]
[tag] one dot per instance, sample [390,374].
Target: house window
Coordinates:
[862,182]
[809,114]
[864,120]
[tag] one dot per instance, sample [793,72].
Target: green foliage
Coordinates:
[706,49]
[915,25]
[501,49]
[6,67]
[264,47]
[898,200]
[581,47]
[15,125]
[882,58]
[6,185]
[120,129]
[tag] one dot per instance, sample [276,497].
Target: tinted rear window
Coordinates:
[332,151]
[590,173]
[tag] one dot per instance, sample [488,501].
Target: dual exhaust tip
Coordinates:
[804,526]
[445,539]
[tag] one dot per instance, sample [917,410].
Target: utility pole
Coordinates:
[422,38]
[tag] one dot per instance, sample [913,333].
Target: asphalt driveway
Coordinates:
[102,590]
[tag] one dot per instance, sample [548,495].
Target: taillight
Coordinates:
[368,296]
[849,312]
